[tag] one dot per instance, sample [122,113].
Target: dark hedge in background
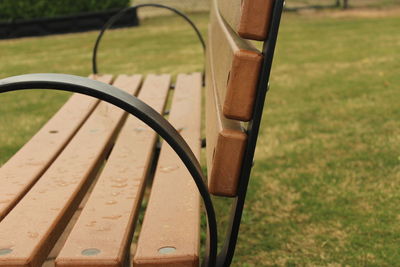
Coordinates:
[45,17]
[11,10]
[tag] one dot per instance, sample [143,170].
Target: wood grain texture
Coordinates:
[32,228]
[172,220]
[116,198]
[249,18]
[237,66]
[226,143]
[21,172]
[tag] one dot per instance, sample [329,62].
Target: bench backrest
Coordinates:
[232,78]
[237,75]
[249,18]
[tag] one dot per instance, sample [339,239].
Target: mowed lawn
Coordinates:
[326,184]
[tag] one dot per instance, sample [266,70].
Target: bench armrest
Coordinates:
[117,16]
[137,108]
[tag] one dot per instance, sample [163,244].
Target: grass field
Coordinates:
[352,3]
[326,184]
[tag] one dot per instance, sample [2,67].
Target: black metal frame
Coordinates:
[159,124]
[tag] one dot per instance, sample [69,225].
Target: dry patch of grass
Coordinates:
[363,13]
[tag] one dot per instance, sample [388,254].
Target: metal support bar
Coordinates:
[138,109]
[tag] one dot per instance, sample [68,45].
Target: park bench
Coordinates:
[72,195]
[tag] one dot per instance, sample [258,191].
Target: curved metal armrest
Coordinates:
[138,109]
[117,16]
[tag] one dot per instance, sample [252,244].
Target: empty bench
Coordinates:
[72,195]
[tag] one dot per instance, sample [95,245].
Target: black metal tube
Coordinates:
[138,109]
[117,16]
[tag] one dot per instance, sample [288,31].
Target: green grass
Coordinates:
[326,187]
[326,184]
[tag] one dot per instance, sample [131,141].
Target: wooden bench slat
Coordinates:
[249,18]
[170,232]
[34,225]
[237,65]
[20,172]
[114,203]
[226,143]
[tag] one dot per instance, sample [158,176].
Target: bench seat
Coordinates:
[77,202]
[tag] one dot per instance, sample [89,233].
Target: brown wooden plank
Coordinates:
[20,173]
[249,18]
[237,66]
[170,232]
[115,200]
[31,229]
[226,143]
